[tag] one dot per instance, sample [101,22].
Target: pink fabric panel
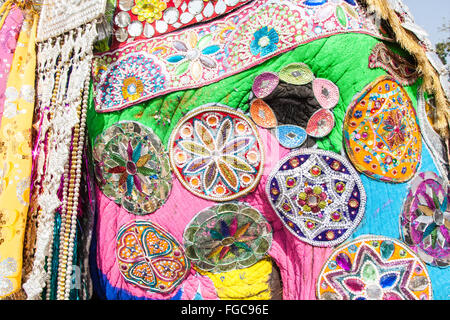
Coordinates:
[299,263]
[8,40]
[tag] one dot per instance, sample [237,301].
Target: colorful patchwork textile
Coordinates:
[226,237]
[216,153]
[381,133]
[297,101]
[374,268]
[132,167]
[210,52]
[425,221]
[145,19]
[149,257]
[317,195]
[397,66]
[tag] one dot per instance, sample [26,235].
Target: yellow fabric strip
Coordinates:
[251,283]
[15,156]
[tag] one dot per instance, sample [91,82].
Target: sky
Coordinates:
[430,15]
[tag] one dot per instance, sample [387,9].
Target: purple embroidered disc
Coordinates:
[317,195]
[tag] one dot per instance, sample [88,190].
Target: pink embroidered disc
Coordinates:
[216,153]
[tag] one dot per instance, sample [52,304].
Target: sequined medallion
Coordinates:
[226,237]
[216,153]
[425,221]
[374,268]
[381,134]
[149,257]
[132,167]
[317,195]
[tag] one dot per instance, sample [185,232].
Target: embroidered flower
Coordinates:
[264,42]
[229,238]
[396,129]
[194,55]
[358,114]
[132,88]
[312,199]
[372,285]
[149,10]
[433,220]
[133,168]
[129,79]
[217,156]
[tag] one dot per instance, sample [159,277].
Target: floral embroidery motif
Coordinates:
[317,195]
[265,41]
[8,267]
[425,221]
[216,153]
[396,129]
[132,88]
[130,79]
[132,167]
[149,10]
[194,56]
[381,123]
[374,268]
[223,47]
[150,258]
[227,237]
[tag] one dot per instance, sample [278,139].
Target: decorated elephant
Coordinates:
[230,150]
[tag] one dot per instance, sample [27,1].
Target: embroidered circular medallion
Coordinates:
[132,167]
[296,73]
[317,195]
[264,84]
[326,93]
[425,221]
[149,257]
[374,268]
[381,134]
[216,153]
[227,236]
[262,114]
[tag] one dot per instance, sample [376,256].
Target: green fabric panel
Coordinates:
[342,59]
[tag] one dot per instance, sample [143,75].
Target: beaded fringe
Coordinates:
[63,89]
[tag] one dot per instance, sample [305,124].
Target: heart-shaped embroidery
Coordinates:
[142,274]
[166,268]
[155,244]
[129,249]
[149,257]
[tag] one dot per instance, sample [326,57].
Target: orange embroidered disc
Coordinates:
[381,134]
